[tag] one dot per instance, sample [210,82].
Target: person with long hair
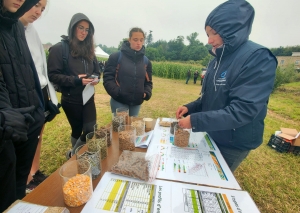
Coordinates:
[82,67]
[39,57]
[21,103]
[127,77]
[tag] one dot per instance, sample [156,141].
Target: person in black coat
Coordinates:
[196,74]
[21,103]
[188,75]
[127,76]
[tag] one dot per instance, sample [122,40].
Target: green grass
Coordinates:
[271,178]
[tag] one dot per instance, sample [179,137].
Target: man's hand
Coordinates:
[15,123]
[181,111]
[185,122]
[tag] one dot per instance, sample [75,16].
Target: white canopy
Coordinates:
[100,53]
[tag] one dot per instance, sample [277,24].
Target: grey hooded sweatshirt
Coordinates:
[238,82]
[70,84]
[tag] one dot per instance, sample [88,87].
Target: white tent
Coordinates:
[100,53]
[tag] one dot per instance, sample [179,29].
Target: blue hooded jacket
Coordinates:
[238,81]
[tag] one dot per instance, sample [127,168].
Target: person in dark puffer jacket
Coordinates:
[133,84]
[21,103]
[236,87]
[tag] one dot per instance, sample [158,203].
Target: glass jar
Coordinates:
[94,157]
[127,137]
[122,111]
[117,120]
[94,140]
[148,124]
[173,123]
[76,180]
[139,125]
[181,136]
[107,129]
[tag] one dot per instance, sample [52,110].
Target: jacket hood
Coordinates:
[77,18]
[10,18]
[130,52]
[232,20]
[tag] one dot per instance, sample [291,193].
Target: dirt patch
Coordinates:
[281,118]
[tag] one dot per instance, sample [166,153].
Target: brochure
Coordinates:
[144,140]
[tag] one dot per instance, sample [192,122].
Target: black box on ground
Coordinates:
[280,144]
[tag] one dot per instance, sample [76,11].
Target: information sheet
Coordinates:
[116,193]
[196,199]
[201,162]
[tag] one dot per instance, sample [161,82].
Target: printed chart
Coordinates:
[120,194]
[116,193]
[198,140]
[200,199]
[138,196]
[200,163]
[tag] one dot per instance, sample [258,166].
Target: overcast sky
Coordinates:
[276,22]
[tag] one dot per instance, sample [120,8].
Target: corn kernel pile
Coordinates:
[77,190]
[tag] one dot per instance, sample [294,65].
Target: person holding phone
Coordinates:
[83,69]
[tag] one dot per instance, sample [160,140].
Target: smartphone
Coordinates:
[91,76]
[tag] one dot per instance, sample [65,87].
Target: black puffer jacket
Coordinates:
[71,85]
[19,83]
[131,76]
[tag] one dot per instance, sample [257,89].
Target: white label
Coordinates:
[27,207]
[130,210]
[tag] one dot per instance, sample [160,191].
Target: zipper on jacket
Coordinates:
[3,42]
[84,65]
[16,39]
[134,75]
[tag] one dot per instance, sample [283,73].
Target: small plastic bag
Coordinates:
[137,165]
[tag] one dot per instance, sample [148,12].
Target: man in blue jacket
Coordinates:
[237,85]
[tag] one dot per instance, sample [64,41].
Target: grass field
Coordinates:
[271,178]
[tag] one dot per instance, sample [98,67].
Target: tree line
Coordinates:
[173,50]
[194,52]
[285,51]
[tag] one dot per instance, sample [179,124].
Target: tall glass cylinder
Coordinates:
[94,157]
[117,120]
[93,141]
[139,125]
[76,180]
[107,129]
[127,137]
[122,111]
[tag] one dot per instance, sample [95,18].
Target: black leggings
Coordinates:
[82,118]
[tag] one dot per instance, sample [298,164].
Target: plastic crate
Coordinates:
[295,150]
[279,144]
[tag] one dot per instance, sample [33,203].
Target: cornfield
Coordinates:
[173,70]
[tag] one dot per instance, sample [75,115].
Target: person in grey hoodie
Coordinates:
[82,63]
[237,85]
